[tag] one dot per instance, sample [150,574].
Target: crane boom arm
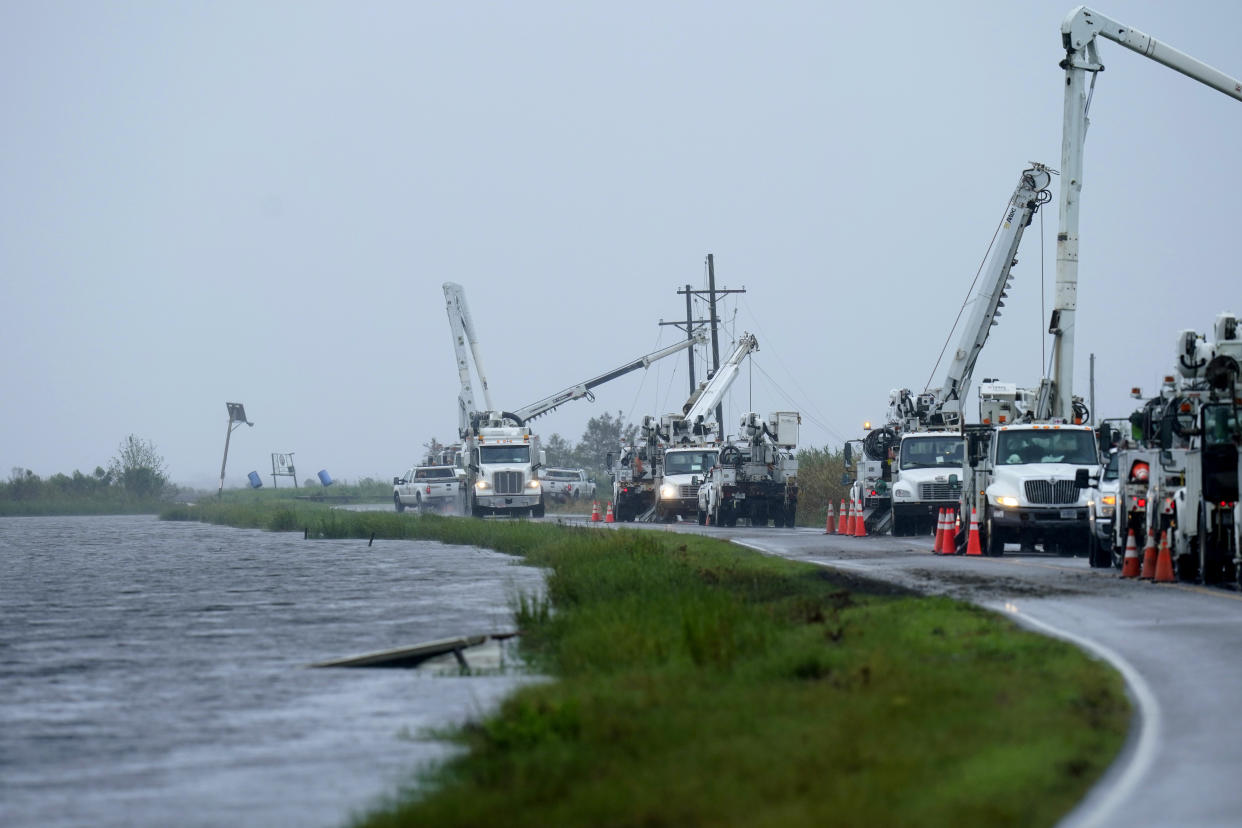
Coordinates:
[583,389]
[1079,31]
[1028,196]
[716,387]
[462,327]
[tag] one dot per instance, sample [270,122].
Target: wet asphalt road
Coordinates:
[1178,646]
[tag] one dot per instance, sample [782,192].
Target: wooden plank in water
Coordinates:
[408,656]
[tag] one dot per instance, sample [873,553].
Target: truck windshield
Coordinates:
[932,452]
[1074,446]
[504,454]
[1220,426]
[688,462]
[423,474]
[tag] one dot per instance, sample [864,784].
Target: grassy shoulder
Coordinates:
[699,683]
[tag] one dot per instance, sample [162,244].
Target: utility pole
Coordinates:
[713,320]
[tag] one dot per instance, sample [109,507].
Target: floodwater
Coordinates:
[155,673]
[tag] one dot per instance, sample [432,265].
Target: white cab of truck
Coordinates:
[502,464]
[928,478]
[428,488]
[685,469]
[1038,480]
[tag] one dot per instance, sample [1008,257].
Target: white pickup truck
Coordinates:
[563,485]
[430,488]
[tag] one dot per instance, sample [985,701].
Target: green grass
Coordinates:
[698,683]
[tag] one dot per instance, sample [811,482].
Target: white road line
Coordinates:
[1096,810]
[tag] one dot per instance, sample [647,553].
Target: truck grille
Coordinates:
[940,491]
[507,482]
[687,491]
[1051,491]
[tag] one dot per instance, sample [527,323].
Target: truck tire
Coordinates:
[993,546]
[778,517]
[396,499]
[540,509]
[791,512]
[701,516]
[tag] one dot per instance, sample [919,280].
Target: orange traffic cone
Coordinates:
[1164,563]
[595,512]
[939,534]
[831,523]
[610,518]
[973,547]
[1149,557]
[1130,566]
[842,518]
[860,522]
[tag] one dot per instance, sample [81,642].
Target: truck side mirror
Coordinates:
[848,453]
[1082,479]
[608,462]
[845,479]
[397,481]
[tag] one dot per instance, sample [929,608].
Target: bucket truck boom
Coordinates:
[1079,31]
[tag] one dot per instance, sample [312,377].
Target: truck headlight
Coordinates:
[668,491]
[902,493]
[533,484]
[1006,500]
[1108,504]
[482,484]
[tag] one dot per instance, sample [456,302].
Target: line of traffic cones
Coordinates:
[595,512]
[610,517]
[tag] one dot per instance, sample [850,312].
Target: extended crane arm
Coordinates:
[1079,31]
[583,389]
[1032,191]
[716,387]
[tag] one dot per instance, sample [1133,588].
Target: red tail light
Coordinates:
[1140,502]
[1139,472]
[428,490]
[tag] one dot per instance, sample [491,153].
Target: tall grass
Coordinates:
[699,683]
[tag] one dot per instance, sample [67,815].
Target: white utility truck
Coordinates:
[1028,480]
[756,476]
[910,467]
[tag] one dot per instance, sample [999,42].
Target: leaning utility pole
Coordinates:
[713,321]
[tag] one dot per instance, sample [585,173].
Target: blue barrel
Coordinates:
[256,482]
[324,477]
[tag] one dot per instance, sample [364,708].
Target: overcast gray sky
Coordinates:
[258,202]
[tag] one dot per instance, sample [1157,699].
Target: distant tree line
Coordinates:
[135,479]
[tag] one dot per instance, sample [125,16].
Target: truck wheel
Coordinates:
[396,499]
[540,509]
[701,515]
[992,545]
[1099,554]
[791,512]
[778,518]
